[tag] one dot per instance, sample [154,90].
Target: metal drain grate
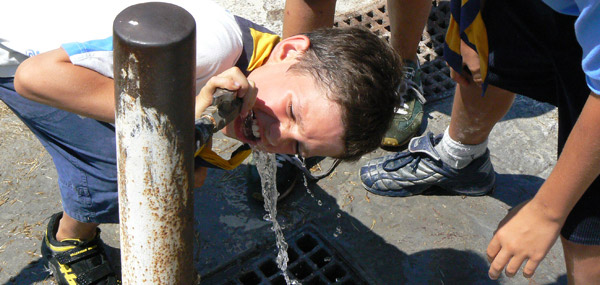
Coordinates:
[437,83]
[312,261]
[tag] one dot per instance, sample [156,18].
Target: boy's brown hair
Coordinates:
[360,72]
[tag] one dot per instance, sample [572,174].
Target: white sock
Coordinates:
[456,154]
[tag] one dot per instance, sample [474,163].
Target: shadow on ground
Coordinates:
[34,272]
[233,234]
[511,189]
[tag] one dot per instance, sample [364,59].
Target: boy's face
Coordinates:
[291,115]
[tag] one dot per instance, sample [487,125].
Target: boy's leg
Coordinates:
[583,262]
[580,235]
[301,16]
[474,115]
[407,20]
[70,228]
[424,165]
[83,151]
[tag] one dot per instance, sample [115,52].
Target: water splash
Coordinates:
[267,168]
[306,186]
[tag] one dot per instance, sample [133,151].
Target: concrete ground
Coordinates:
[431,239]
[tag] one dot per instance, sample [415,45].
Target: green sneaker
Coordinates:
[74,261]
[408,117]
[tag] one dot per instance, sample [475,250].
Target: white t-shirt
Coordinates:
[29,29]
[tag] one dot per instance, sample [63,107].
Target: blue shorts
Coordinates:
[533,51]
[84,153]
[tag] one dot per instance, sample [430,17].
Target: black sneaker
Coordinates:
[73,261]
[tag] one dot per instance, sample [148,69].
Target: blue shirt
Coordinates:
[587,29]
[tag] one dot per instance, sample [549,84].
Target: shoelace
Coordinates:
[407,85]
[409,74]
[415,162]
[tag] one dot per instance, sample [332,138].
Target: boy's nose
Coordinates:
[279,136]
[273,135]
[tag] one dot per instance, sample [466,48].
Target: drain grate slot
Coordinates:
[437,83]
[312,260]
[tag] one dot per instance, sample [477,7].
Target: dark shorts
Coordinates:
[533,51]
[83,151]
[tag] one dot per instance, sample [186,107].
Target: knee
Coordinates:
[24,77]
[582,261]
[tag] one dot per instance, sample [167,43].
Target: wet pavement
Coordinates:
[337,230]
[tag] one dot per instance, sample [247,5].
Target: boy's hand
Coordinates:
[526,233]
[232,79]
[471,68]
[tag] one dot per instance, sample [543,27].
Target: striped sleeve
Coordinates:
[96,55]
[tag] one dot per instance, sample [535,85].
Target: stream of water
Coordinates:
[267,168]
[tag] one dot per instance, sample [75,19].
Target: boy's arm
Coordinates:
[51,79]
[530,230]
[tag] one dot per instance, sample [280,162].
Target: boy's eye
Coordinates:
[291,110]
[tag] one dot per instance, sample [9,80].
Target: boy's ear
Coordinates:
[290,48]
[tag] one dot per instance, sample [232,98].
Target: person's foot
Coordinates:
[290,169]
[408,117]
[73,261]
[414,171]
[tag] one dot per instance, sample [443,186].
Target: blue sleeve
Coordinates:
[587,29]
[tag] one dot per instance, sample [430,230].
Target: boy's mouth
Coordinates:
[250,127]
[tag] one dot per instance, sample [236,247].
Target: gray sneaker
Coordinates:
[410,173]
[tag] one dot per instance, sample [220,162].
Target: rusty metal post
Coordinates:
[154,68]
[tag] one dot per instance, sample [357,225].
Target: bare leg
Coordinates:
[70,228]
[583,262]
[474,116]
[301,16]
[407,19]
